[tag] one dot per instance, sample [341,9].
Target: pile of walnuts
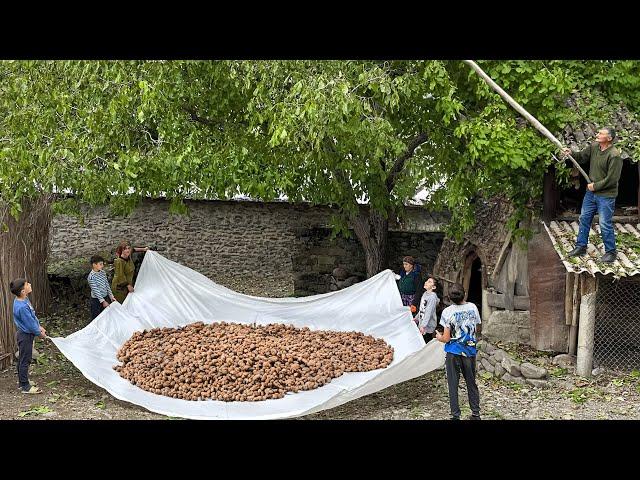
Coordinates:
[232,362]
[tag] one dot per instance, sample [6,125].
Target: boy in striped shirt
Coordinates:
[101,294]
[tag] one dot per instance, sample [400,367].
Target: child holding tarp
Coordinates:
[426,318]
[101,294]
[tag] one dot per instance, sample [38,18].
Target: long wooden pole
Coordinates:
[530,118]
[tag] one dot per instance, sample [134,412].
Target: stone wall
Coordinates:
[268,249]
[317,255]
[508,326]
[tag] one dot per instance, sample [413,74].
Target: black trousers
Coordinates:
[427,337]
[96,306]
[25,350]
[454,364]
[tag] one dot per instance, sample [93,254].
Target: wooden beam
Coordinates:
[512,275]
[568,298]
[573,339]
[575,310]
[501,258]
[444,279]
[520,302]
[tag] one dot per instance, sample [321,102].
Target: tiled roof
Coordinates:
[563,236]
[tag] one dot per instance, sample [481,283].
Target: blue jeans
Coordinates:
[605,206]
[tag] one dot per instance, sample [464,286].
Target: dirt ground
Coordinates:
[67,394]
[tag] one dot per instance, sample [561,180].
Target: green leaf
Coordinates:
[37,410]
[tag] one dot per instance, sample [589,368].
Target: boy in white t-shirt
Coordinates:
[459,321]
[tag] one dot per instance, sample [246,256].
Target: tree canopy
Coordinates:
[327,132]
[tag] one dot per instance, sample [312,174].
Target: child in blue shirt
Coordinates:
[459,336]
[28,327]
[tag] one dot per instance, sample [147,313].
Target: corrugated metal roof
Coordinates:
[563,236]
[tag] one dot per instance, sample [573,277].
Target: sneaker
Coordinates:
[576,252]
[609,257]
[31,384]
[32,390]
[454,418]
[473,417]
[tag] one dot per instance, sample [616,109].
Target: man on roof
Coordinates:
[604,172]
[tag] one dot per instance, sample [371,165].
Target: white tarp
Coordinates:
[168,294]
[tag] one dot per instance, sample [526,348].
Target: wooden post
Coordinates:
[501,258]
[572,310]
[586,328]
[512,275]
[575,312]
[573,339]
[568,297]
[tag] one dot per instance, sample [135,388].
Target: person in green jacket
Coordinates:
[604,171]
[122,283]
[409,280]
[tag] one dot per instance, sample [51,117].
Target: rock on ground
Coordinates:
[530,370]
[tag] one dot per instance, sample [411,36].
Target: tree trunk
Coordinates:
[24,248]
[372,230]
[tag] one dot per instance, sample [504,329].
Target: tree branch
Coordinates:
[399,162]
[205,121]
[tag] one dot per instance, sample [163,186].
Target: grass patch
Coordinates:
[558,372]
[37,410]
[580,395]
[495,414]
[42,359]
[416,412]
[628,240]
[486,375]
[515,386]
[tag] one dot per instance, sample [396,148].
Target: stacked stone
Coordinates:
[500,364]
